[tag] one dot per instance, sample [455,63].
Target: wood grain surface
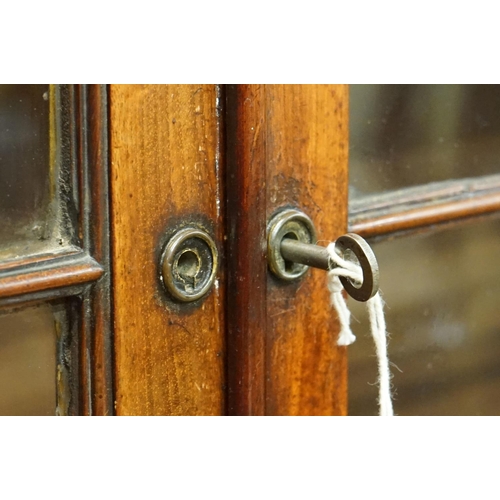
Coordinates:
[36,275]
[287,146]
[423,206]
[246,249]
[165,161]
[96,329]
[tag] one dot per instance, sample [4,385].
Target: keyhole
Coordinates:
[289,265]
[188,264]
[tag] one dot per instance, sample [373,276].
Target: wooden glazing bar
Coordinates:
[60,271]
[425,205]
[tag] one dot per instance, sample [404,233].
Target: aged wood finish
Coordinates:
[423,206]
[165,173]
[96,331]
[75,268]
[81,267]
[246,252]
[287,146]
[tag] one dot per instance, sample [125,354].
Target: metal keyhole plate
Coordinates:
[289,223]
[189,264]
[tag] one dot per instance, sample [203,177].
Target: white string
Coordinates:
[375,306]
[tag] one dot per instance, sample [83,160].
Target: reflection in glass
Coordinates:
[442,293]
[407,135]
[26,181]
[28,359]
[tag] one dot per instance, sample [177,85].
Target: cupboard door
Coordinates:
[166,173]
[55,348]
[160,158]
[225,159]
[287,147]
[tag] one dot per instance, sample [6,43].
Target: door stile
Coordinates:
[287,147]
[165,164]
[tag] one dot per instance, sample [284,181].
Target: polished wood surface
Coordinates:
[287,146]
[246,249]
[96,330]
[165,161]
[74,268]
[77,268]
[413,208]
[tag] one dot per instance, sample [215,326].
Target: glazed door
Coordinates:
[55,317]
[424,190]
[95,183]
[424,175]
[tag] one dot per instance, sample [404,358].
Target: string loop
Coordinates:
[350,270]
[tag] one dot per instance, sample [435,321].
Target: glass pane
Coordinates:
[28,359]
[27,177]
[442,293]
[406,135]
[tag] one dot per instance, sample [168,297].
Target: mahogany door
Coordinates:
[95,181]
[225,158]
[424,190]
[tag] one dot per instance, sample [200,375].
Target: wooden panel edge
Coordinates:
[284,143]
[307,158]
[96,323]
[246,253]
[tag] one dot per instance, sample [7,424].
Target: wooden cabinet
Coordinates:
[128,165]
[225,158]
[95,180]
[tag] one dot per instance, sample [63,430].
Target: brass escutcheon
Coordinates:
[189,264]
